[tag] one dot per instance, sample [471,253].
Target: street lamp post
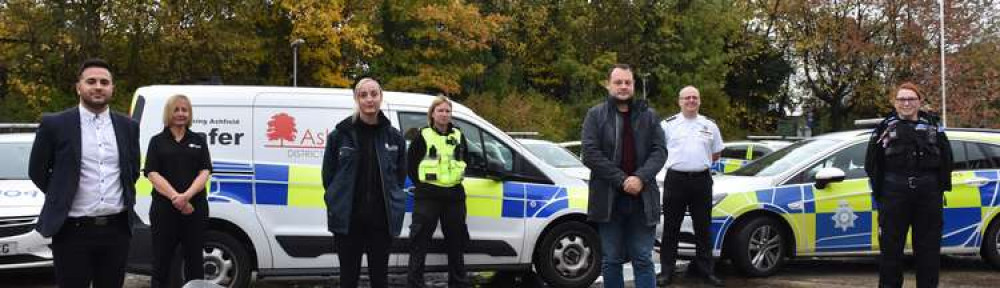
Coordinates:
[944,94]
[295,61]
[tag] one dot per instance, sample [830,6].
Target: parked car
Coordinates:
[558,157]
[812,198]
[20,203]
[738,153]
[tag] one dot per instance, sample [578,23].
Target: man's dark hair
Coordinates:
[92,62]
[619,66]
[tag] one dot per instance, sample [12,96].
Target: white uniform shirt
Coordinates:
[100,191]
[691,142]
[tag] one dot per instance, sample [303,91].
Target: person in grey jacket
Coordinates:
[624,149]
[364,168]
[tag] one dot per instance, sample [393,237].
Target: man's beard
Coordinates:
[96,104]
[620,101]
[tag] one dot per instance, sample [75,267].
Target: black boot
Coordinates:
[714,281]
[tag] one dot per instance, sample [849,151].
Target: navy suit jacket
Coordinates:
[55,164]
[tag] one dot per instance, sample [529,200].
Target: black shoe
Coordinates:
[714,281]
[664,280]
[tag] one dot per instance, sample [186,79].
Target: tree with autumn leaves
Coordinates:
[525,65]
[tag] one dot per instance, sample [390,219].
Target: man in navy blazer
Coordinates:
[86,161]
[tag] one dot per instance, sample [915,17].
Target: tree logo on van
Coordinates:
[281,127]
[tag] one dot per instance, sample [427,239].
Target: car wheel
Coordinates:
[991,245]
[226,262]
[760,247]
[569,255]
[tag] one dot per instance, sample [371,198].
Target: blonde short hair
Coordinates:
[168,109]
[440,99]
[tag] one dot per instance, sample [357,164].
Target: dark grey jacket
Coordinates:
[602,140]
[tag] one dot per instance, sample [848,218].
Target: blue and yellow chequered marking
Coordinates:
[726,165]
[300,186]
[963,213]
[812,214]
[222,187]
[844,217]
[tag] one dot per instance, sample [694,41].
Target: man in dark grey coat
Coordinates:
[624,149]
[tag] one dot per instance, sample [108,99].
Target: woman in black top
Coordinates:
[363,173]
[178,165]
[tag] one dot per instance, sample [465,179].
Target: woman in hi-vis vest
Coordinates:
[436,165]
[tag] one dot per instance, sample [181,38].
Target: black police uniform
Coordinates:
[909,164]
[179,162]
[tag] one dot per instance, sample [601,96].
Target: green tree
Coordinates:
[435,45]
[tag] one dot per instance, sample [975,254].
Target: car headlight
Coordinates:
[716,198]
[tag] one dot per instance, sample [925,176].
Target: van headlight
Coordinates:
[716,198]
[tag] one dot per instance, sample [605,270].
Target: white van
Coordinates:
[267,213]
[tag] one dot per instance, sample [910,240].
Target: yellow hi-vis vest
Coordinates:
[440,166]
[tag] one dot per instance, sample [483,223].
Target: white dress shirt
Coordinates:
[100,189]
[691,142]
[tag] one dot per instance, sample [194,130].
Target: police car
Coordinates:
[812,198]
[267,214]
[739,153]
[20,203]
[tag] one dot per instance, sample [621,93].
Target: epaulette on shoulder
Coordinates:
[930,118]
[671,118]
[888,120]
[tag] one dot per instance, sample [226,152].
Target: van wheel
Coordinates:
[569,255]
[227,262]
[991,245]
[760,247]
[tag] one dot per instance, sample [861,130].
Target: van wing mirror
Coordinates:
[829,175]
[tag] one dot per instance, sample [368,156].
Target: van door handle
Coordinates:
[977,182]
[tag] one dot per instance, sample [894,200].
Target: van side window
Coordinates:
[485,150]
[410,124]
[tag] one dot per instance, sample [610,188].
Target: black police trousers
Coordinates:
[426,213]
[910,202]
[368,236]
[168,229]
[687,192]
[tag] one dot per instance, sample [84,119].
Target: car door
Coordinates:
[974,179]
[844,219]
[494,216]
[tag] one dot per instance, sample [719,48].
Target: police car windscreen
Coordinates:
[786,158]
